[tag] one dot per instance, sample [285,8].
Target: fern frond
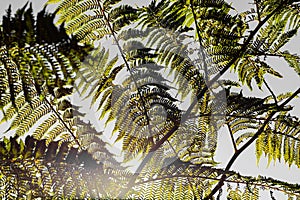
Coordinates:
[85,20]
[281,140]
[48,172]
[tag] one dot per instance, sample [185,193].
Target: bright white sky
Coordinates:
[246,163]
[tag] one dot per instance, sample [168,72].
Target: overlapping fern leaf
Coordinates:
[124,103]
[97,74]
[37,75]
[140,122]
[280,140]
[196,137]
[215,29]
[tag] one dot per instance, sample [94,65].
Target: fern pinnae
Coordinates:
[243,126]
[25,111]
[32,118]
[283,40]
[40,131]
[87,28]
[75,8]
[106,108]
[94,36]
[9,111]
[74,25]
[14,81]
[108,71]
[106,95]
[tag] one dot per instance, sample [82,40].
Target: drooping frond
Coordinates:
[281,140]
[143,107]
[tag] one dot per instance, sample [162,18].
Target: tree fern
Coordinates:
[177,144]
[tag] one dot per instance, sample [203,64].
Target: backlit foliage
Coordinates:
[162,96]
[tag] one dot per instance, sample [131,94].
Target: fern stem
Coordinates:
[272,196]
[200,42]
[272,93]
[257,10]
[60,119]
[63,122]
[246,182]
[268,54]
[265,82]
[236,116]
[245,146]
[126,64]
[232,138]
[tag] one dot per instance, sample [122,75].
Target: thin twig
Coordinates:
[272,93]
[272,196]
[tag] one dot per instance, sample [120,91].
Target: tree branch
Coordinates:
[257,10]
[272,93]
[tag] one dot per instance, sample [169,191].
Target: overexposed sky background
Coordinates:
[246,163]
